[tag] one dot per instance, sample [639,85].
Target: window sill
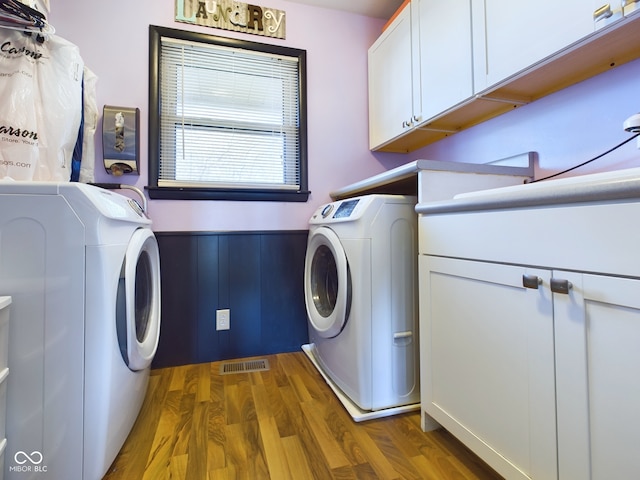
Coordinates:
[193,193]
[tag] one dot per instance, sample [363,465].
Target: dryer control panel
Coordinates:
[353,209]
[342,209]
[346,208]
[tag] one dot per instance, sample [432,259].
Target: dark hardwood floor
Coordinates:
[284,423]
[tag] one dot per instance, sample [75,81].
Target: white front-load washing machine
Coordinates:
[82,267]
[361,298]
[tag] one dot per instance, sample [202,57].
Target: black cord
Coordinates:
[588,161]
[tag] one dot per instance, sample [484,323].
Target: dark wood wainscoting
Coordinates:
[257,275]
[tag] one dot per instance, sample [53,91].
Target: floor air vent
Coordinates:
[243,367]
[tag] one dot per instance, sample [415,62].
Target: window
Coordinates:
[227,118]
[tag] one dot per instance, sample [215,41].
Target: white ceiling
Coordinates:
[372,8]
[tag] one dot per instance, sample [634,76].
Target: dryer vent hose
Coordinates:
[124,186]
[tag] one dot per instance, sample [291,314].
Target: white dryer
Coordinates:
[361,298]
[82,267]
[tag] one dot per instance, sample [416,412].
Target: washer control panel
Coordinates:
[356,208]
[342,210]
[346,209]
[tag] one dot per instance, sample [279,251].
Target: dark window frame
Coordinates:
[214,193]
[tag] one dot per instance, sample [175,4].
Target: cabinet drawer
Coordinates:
[576,237]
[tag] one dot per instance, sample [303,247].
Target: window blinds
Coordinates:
[229,117]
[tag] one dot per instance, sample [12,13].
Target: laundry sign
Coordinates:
[231,15]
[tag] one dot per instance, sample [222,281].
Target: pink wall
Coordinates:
[113,40]
[564,129]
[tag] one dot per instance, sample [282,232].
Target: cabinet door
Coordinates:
[630,7]
[598,377]
[511,36]
[390,82]
[606,13]
[487,361]
[444,42]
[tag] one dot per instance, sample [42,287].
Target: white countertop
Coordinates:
[596,187]
[403,180]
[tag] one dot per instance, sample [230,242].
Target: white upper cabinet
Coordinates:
[442,32]
[512,36]
[420,66]
[390,82]
[605,14]
[630,7]
[443,66]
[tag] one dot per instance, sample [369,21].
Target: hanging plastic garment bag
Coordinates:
[41,107]
[91,114]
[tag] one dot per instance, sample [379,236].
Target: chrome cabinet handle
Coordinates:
[531,281]
[602,12]
[560,286]
[630,2]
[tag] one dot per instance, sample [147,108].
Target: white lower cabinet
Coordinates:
[597,329]
[536,370]
[489,376]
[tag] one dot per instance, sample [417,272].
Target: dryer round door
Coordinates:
[327,289]
[139,317]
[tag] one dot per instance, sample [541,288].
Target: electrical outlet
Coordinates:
[223,319]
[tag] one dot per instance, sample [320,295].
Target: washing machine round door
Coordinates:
[141,316]
[327,281]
